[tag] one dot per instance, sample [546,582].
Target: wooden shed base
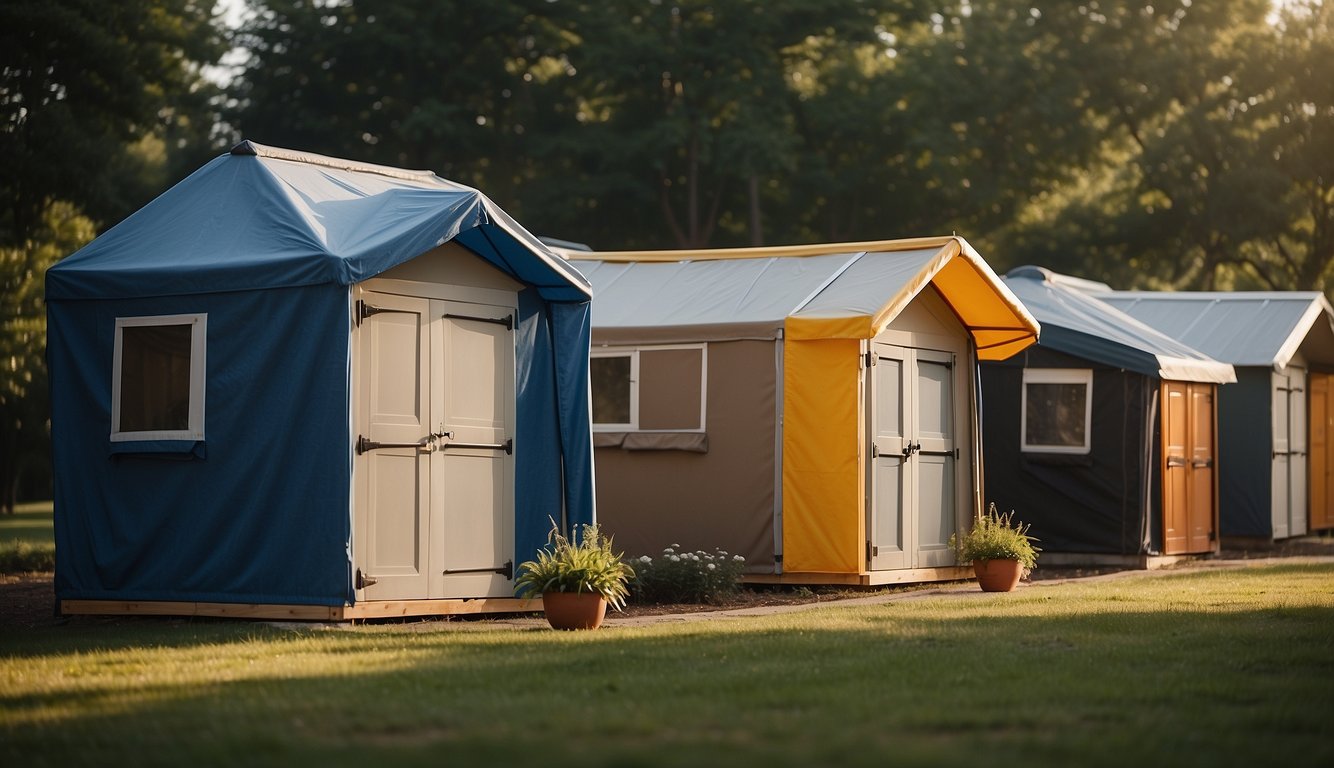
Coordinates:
[1137,562]
[366,610]
[870,579]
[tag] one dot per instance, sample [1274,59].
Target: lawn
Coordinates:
[1206,667]
[27,540]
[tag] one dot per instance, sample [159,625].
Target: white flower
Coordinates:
[722,553]
[676,546]
[645,559]
[674,559]
[711,566]
[668,551]
[739,558]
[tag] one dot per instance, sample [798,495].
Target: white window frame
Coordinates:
[1057,376]
[198,351]
[633,354]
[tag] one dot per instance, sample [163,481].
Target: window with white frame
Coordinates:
[157,385]
[649,389]
[1057,410]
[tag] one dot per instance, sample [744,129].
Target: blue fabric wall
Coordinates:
[259,512]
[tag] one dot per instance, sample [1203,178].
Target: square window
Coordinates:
[157,387]
[613,381]
[1057,410]
[649,389]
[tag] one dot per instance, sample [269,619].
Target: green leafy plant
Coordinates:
[687,577]
[25,556]
[997,537]
[586,564]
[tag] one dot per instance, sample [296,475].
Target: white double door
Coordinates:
[433,467]
[1288,487]
[914,458]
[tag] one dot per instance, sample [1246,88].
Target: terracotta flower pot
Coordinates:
[997,575]
[574,610]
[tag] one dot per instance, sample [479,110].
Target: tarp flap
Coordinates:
[1242,328]
[1076,323]
[823,520]
[262,218]
[263,518]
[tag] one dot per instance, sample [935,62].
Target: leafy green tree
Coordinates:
[689,114]
[24,405]
[85,87]
[449,85]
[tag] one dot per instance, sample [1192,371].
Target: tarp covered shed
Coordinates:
[302,386]
[1274,426]
[1102,435]
[810,408]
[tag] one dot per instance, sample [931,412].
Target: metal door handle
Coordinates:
[364,444]
[507,446]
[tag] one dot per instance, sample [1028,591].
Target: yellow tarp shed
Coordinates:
[822,305]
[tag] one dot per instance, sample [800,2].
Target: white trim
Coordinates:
[198,367]
[632,352]
[1057,376]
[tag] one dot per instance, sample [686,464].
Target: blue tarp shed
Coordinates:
[204,384]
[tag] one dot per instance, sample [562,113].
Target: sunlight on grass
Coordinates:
[1228,667]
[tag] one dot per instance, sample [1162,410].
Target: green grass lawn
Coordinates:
[27,540]
[1207,667]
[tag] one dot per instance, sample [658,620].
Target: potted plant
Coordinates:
[577,580]
[999,548]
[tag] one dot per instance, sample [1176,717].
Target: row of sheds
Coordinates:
[299,386]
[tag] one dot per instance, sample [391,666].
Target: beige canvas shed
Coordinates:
[811,408]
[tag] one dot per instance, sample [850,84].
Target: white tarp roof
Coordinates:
[837,290]
[1077,323]
[1252,328]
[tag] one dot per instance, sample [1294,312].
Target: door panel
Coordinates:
[1321,515]
[393,481]
[473,472]
[1297,508]
[1281,473]
[914,496]
[1200,518]
[1175,485]
[889,525]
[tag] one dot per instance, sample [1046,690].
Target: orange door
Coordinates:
[1202,501]
[1175,468]
[1320,416]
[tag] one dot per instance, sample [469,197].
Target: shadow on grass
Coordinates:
[1217,669]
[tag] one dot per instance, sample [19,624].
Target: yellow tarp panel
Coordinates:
[823,517]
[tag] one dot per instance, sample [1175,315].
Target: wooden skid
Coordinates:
[870,579]
[366,610]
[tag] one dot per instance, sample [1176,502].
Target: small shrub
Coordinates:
[25,557]
[996,537]
[687,577]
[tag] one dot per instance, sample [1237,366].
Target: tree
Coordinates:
[24,406]
[688,113]
[83,83]
[453,86]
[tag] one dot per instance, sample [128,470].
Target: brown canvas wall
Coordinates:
[722,499]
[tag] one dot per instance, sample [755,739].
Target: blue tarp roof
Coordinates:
[260,217]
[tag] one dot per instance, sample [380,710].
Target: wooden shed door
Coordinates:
[912,477]
[1188,468]
[434,454]
[1322,458]
[1288,485]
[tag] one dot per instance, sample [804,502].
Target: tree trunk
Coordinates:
[756,230]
